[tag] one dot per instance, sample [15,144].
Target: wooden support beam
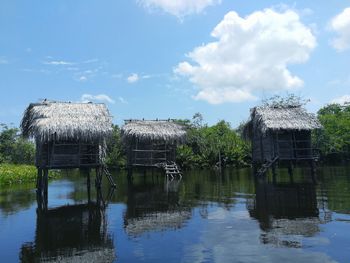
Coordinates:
[88,184]
[290,171]
[46,185]
[313,171]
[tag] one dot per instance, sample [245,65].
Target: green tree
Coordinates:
[14,148]
[335,136]
[215,145]
[115,152]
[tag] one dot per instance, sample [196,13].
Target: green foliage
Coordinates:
[335,137]
[115,152]
[209,146]
[14,148]
[14,174]
[291,100]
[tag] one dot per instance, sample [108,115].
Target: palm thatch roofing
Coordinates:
[154,130]
[266,118]
[50,120]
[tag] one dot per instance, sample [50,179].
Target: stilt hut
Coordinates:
[67,135]
[151,143]
[281,132]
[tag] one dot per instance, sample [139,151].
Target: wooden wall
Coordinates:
[287,145]
[150,153]
[67,154]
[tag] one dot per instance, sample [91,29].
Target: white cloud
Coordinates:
[58,62]
[122,100]
[99,98]
[345,99]
[133,78]
[251,54]
[82,79]
[341,25]
[179,8]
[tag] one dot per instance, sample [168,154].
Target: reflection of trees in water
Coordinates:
[155,205]
[286,212]
[73,233]
[13,200]
[333,189]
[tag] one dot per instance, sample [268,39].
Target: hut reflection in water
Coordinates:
[72,233]
[286,212]
[154,207]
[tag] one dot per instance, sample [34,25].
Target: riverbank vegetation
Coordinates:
[20,173]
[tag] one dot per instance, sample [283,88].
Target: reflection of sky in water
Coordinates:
[59,193]
[229,236]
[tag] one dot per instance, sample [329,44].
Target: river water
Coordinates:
[204,217]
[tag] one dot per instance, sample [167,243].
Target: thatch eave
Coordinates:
[48,121]
[274,119]
[145,130]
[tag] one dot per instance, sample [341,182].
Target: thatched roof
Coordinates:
[165,130]
[281,118]
[66,121]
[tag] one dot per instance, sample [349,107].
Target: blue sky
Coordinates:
[156,59]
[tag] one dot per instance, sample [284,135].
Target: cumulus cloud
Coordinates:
[341,25]
[97,98]
[133,78]
[345,99]
[251,54]
[179,8]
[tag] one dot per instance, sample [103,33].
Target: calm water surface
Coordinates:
[205,217]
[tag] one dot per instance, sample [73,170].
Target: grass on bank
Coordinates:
[19,173]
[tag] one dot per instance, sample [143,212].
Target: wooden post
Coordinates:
[290,171]
[45,183]
[39,180]
[274,172]
[88,185]
[129,172]
[255,168]
[39,188]
[98,178]
[313,171]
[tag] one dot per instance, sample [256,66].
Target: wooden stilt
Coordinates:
[274,172]
[88,185]
[274,175]
[255,168]
[46,184]
[39,189]
[290,171]
[313,171]
[98,179]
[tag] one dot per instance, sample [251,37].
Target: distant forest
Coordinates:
[205,145]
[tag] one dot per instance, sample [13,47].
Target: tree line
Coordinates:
[206,146]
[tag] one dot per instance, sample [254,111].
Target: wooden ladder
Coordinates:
[263,169]
[109,177]
[172,170]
